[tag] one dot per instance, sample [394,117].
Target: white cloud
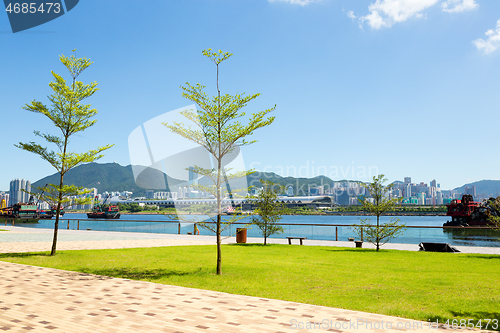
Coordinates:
[350,14]
[384,13]
[457,6]
[492,42]
[296,2]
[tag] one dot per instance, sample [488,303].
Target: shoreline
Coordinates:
[306,214]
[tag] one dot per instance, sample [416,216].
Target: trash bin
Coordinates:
[241,235]
[359,243]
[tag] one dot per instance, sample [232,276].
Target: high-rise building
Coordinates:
[421,198]
[193,176]
[439,198]
[408,190]
[16,191]
[407,180]
[433,183]
[470,190]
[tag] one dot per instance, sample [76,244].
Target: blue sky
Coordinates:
[405,88]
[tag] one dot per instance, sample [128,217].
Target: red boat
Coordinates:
[467,212]
[103,211]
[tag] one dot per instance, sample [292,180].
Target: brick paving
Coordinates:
[49,300]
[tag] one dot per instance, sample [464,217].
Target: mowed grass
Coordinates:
[416,285]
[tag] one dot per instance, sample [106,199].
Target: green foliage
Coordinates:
[494,218]
[269,209]
[70,116]
[381,233]
[220,127]
[409,284]
[50,194]
[130,207]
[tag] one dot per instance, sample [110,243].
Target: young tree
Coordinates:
[493,205]
[70,116]
[380,233]
[269,209]
[220,130]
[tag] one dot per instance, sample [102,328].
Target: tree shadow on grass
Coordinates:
[24,255]
[254,245]
[475,316]
[485,256]
[139,273]
[343,249]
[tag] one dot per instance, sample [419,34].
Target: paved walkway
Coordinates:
[44,299]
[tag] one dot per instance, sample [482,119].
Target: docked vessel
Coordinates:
[21,212]
[467,212]
[103,210]
[49,213]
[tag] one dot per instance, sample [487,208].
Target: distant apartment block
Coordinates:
[17,194]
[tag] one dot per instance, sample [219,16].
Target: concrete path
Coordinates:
[44,299]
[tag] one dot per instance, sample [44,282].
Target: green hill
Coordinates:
[114,177]
[484,188]
[104,177]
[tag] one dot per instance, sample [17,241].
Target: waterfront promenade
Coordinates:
[43,299]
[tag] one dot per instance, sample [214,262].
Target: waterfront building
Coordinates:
[354,201]
[313,202]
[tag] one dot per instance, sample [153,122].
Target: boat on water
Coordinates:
[103,210]
[467,212]
[21,212]
[49,213]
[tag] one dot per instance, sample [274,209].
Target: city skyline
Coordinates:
[17,184]
[359,86]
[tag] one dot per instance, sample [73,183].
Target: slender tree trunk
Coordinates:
[219,212]
[378,232]
[219,250]
[265,232]
[58,212]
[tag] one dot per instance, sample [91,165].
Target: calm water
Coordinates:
[132,223]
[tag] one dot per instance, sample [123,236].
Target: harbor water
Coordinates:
[316,227]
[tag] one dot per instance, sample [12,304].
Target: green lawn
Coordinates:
[416,285]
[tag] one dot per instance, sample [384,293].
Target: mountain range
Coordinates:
[114,177]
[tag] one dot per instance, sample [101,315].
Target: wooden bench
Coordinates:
[299,238]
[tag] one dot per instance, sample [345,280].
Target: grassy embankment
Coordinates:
[417,285]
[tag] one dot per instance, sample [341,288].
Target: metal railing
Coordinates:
[472,236]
